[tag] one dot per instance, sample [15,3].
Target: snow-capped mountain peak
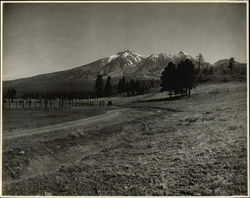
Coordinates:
[130,57]
[181,53]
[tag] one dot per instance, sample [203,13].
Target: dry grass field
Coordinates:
[190,146]
[16,119]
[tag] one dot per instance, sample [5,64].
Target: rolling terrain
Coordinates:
[143,145]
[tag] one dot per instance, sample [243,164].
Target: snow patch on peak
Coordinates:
[154,56]
[138,55]
[181,55]
[128,52]
[181,52]
[112,57]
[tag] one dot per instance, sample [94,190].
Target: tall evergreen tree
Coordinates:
[132,87]
[123,84]
[186,76]
[168,78]
[137,87]
[127,88]
[231,64]
[152,83]
[99,86]
[108,87]
[200,60]
[199,70]
[119,86]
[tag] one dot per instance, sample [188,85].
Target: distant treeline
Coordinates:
[13,99]
[224,71]
[124,87]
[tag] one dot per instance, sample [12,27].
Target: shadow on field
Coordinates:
[163,99]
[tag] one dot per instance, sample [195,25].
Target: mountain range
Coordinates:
[126,63]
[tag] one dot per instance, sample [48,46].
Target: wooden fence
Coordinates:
[54,103]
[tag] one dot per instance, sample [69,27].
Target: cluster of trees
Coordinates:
[101,89]
[133,87]
[179,79]
[130,87]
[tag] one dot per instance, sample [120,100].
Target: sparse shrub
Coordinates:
[232,127]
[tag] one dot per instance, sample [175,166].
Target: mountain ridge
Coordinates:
[127,63]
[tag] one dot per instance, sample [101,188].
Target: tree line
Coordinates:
[124,86]
[76,99]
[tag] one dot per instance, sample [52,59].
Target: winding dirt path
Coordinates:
[82,122]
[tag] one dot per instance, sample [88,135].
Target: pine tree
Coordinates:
[152,83]
[108,87]
[200,61]
[132,87]
[180,79]
[119,87]
[99,86]
[199,70]
[186,78]
[168,78]
[127,88]
[137,87]
[123,84]
[231,64]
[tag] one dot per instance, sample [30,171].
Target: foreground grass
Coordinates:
[16,119]
[200,149]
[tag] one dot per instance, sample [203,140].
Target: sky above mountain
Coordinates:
[43,38]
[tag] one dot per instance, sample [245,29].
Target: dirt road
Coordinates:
[66,125]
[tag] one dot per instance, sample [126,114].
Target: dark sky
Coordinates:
[42,38]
